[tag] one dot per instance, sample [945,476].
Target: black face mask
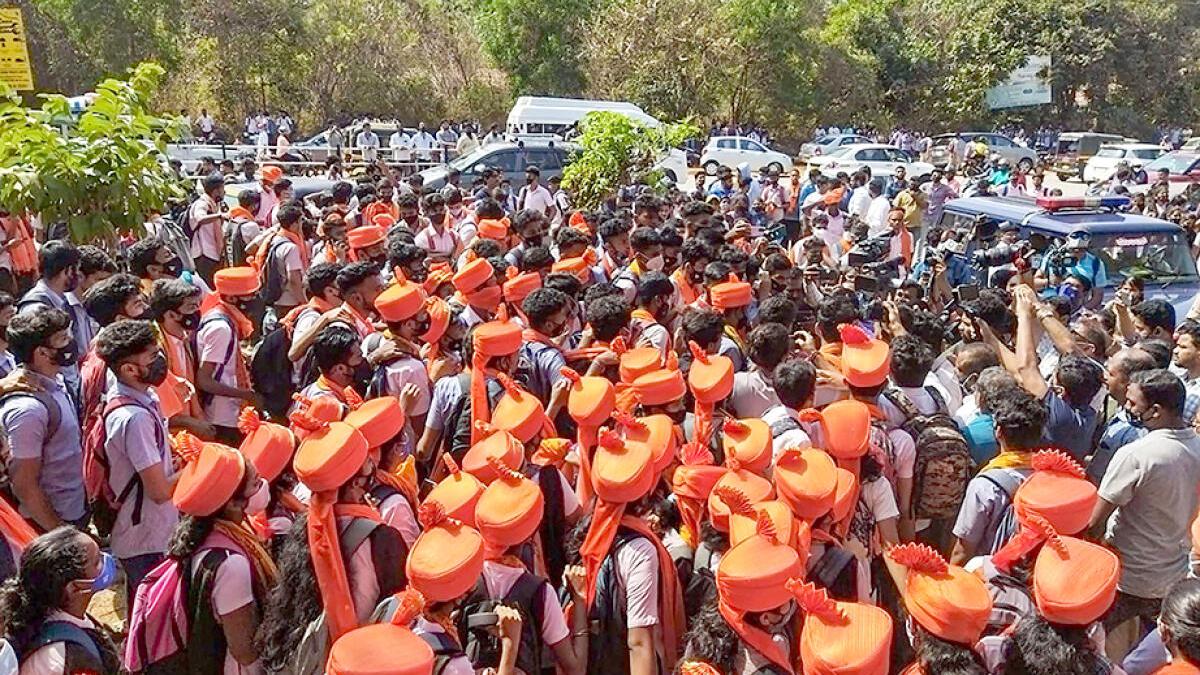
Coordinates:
[190,321]
[678,416]
[173,267]
[155,373]
[422,327]
[68,354]
[379,259]
[361,376]
[245,304]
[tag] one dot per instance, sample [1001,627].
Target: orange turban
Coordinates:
[944,599]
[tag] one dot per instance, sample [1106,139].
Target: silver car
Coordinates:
[826,144]
[998,144]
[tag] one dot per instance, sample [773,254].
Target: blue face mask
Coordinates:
[107,574]
[1072,294]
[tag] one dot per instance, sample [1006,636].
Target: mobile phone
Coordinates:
[967,292]
[865,283]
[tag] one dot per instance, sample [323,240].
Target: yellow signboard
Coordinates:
[14,51]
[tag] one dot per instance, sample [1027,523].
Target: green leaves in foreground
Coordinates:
[101,172]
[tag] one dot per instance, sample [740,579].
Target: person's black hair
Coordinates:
[1095,336]
[566,237]
[645,202]
[1159,350]
[105,301]
[669,237]
[1042,648]
[695,250]
[488,209]
[333,346]
[601,290]
[408,201]
[539,305]
[767,344]
[249,200]
[612,228]
[776,262]
[717,271]
[711,640]
[499,268]
[654,285]
[1080,379]
[290,213]
[55,256]
[1161,387]
[279,186]
[733,256]
[292,604]
[47,565]
[321,276]
[1131,361]
[936,655]
[1019,417]
[667,513]
[834,311]
[714,235]
[487,248]
[702,326]
[696,208]
[350,276]
[364,190]
[141,256]
[341,192]
[608,315]
[401,253]
[1180,616]
[1156,313]
[564,282]
[910,361]
[6,300]
[795,381]
[643,238]
[168,295]
[991,307]
[212,182]
[536,258]
[524,217]
[1191,328]
[975,357]
[123,339]
[93,259]
[778,309]
[925,325]
[432,200]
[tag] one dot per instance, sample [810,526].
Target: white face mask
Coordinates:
[655,264]
[261,497]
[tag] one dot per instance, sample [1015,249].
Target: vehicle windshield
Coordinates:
[825,140]
[1111,152]
[1174,162]
[469,159]
[1068,146]
[1162,257]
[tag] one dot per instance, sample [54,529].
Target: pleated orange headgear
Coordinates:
[268,446]
[944,599]
[841,638]
[458,492]
[446,560]
[388,648]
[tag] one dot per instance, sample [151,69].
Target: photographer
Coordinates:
[941,270]
[1073,258]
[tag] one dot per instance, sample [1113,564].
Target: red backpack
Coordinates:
[104,501]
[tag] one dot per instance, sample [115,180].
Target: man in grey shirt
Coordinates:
[42,427]
[1148,497]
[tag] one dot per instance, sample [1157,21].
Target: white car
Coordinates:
[731,151]
[1104,162]
[881,159]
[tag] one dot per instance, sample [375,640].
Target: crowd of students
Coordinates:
[378,431]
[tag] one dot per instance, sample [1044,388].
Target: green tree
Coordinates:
[100,173]
[614,149]
[536,42]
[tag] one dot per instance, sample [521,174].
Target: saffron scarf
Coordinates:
[687,292]
[1010,460]
[265,573]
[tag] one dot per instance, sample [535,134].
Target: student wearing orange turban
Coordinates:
[752,592]
[404,309]
[388,648]
[590,402]
[334,464]
[269,447]
[841,638]
[731,299]
[222,375]
[622,476]
[478,290]
[692,483]
[948,606]
[711,381]
[211,493]
[494,350]
[393,486]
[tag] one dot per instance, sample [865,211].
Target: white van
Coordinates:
[545,117]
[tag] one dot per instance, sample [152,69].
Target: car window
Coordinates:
[727,144]
[999,141]
[897,155]
[852,140]
[752,146]
[840,152]
[825,140]
[1147,153]
[505,160]
[1111,152]
[1173,162]
[942,141]
[545,158]
[871,155]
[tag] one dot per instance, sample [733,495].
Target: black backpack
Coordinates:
[271,372]
[458,420]
[235,244]
[272,278]
[477,620]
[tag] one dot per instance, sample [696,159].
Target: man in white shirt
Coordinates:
[860,196]
[877,212]
[400,144]
[422,144]
[206,218]
[207,126]
[368,142]
[535,196]
[493,136]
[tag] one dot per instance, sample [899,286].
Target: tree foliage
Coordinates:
[535,42]
[613,149]
[100,173]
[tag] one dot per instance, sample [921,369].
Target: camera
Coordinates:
[1000,254]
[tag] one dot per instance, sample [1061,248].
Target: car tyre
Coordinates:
[1025,165]
[1064,177]
[775,166]
[710,167]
